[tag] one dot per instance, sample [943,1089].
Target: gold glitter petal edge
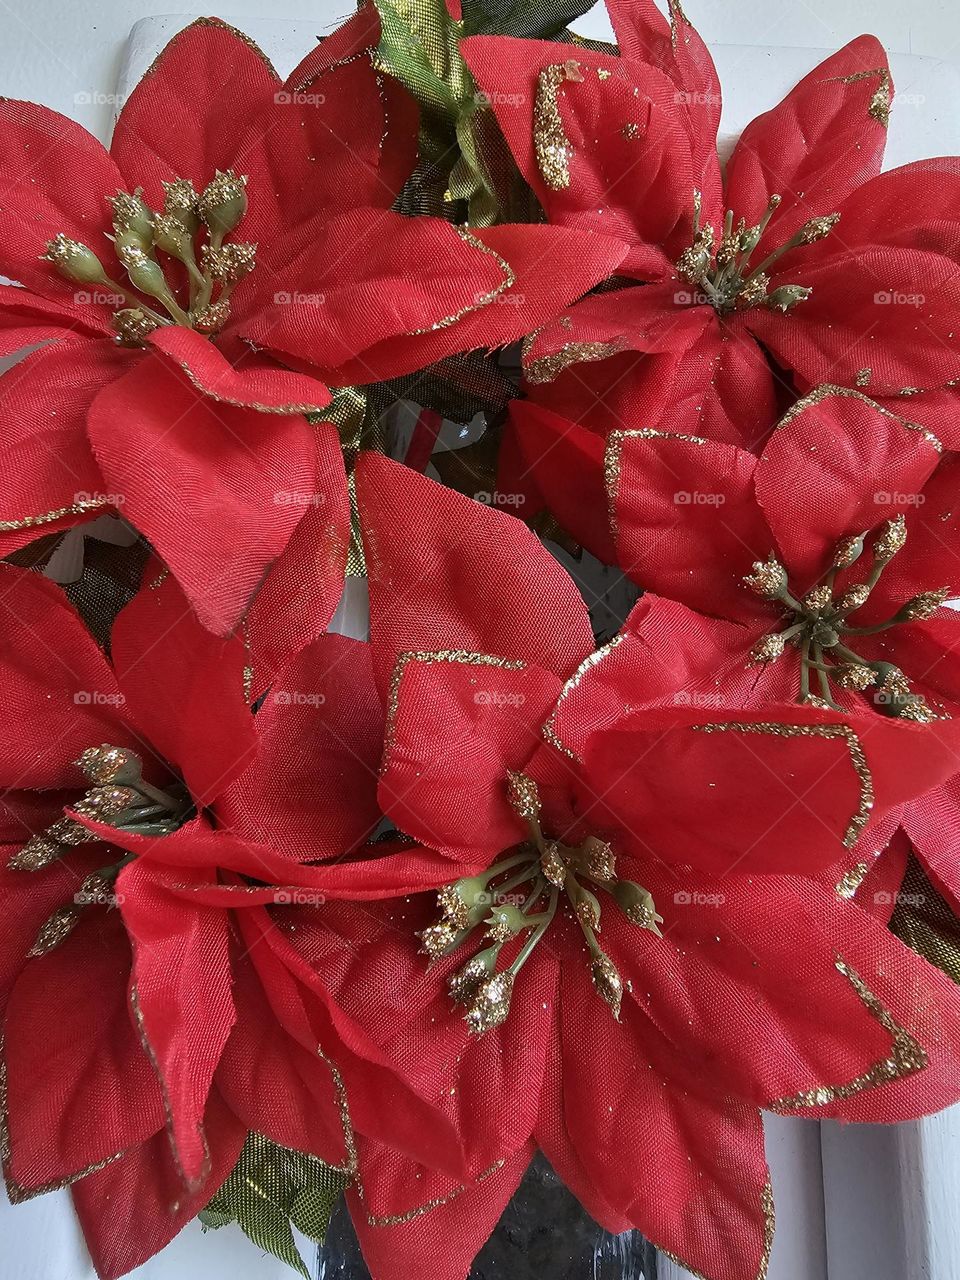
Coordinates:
[612,458]
[769,1229]
[399,1219]
[879,107]
[286,410]
[552,146]
[16,1193]
[549,730]
[49,517]
[223,26]
[827,390]
[508,281]
[464,657]
[547,368]
[836,732]
[851,882]
[906,1058]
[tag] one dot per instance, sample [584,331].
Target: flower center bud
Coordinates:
[821,625]
[516,900]
[118,797]
[157,249]
[723,271]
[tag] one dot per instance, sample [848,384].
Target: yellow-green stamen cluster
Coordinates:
[142,234]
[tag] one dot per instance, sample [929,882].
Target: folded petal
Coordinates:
[311,790]
[205,67]
[231,471]
[821,142]
[51,476]
[71,1052]
[361,314]
[481,594]
[60,696]
[182,1003]
[202,724]
[252,383]
[931,822]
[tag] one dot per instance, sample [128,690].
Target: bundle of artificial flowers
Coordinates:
[595,840]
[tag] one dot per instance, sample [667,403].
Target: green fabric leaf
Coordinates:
[273,1190]
[536,20]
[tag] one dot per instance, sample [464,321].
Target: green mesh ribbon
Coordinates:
[272,1190]
[926,923]
[463,161]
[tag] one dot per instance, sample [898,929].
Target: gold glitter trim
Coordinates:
[508,281]
[546,368]
[16,1193]
[851,740]
[612,459]
[879,108]
[350,1165]
[551,144]
[284,409]
[398,1219]
[462,656]
[48,517]
[223,26]
[852,881]
[906,1056]
[248,661]
[769,1230]
[827,390]
[549,730]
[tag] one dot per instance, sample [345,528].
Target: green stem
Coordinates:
[526,950]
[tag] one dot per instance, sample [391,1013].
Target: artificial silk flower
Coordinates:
[587,817]
[155,392]
[145,810]
[802,251]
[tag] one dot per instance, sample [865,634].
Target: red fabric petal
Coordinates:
[231,470]
[28,318]
[311,791]
[443,1242]
[454,732]
[200,722]
[252,383]
[932,824]
[79,1087]
[45,456]
[60,697]
[208,73]
[180,994]
[483,593]
[301,591]
[835,466]
[361,315]
[632,173]
[314,149]
[889,310]
[819,144]
[145,1188]
[54,177]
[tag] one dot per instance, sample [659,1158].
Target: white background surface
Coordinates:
[891,1198]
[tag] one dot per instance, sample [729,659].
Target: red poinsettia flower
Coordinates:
[153,836]
[580,809]
[154,391]
[803,251]
[841,484]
